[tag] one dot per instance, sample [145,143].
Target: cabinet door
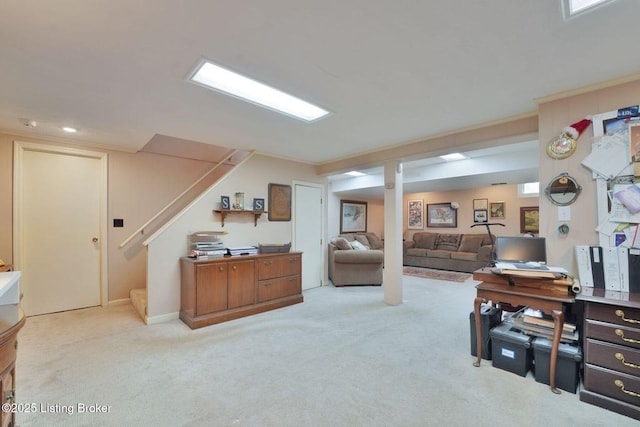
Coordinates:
[211,288]
[7,395]
[241,283]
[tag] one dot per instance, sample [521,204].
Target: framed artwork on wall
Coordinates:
[441,215]
[415,214]
[497,210]
[353,216]
[480,204]
[480,215]
[279,202]
[530,219]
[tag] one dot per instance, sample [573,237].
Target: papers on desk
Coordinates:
[549,272]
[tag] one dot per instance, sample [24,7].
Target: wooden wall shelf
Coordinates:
[224,212]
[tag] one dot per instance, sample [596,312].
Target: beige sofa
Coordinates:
[349,266]
[447,251]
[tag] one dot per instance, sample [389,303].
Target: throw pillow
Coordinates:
[470,243]
[358,246]
[363,239]
[425,240]
[374,241]
[342,243]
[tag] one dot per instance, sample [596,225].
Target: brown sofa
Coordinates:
[349,266]
[447,251]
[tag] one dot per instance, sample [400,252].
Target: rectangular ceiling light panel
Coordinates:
[215,77]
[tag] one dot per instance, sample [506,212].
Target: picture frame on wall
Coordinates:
[279,202]
[480,215]
[497,210]
[353,216]
[415,215]
[480,204]
[530,219]
[441,215]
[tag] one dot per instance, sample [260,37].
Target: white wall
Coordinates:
[166,248]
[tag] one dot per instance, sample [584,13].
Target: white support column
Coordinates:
[392,279]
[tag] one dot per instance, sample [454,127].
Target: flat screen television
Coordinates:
[521,249]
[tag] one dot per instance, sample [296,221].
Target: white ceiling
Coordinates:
[390,72]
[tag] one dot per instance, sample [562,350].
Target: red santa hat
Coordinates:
[576,129]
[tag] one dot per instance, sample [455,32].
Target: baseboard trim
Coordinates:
[120,301]
[152,320]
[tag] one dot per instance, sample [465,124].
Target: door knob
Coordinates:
[94,240]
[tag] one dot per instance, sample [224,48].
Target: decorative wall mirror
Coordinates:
[563,190]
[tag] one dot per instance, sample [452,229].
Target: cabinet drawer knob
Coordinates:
[620,314]
[235,267]
[221,268]
[620,357]
[620,385]
[267,263]
[620,333]
[267,284]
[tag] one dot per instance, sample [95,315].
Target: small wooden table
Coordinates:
[538,294]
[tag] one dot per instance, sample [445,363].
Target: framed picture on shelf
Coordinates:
[530,219]
[225,202]
[353,216]
[480,215]
[496,210]
[279,202]
[480,204]
[258,204]
[415,214]
[441,215]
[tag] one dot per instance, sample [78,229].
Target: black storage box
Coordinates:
[511,349]
[490,317]
[567,364]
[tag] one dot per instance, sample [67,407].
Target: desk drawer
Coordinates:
[617,315]
[279,288]
[623,335]
[614,384]
[612,356]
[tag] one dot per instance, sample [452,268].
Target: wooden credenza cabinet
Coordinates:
[12,319]
[219,289]
[612,350]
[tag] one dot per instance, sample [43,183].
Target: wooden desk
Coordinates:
[546,298]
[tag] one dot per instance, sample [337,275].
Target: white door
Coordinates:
[58,228]
[308,233]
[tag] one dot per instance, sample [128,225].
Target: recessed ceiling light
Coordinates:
[355,173]
[215,77]
[453,156]
[69,129]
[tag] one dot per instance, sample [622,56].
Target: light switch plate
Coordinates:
[564,213]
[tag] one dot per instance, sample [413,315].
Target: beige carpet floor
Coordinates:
[341,358]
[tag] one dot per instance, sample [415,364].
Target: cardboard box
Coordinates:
[511,349]
[567,364]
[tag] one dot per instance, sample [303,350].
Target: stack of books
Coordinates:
[206,244]
[243,250]
[533,322]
